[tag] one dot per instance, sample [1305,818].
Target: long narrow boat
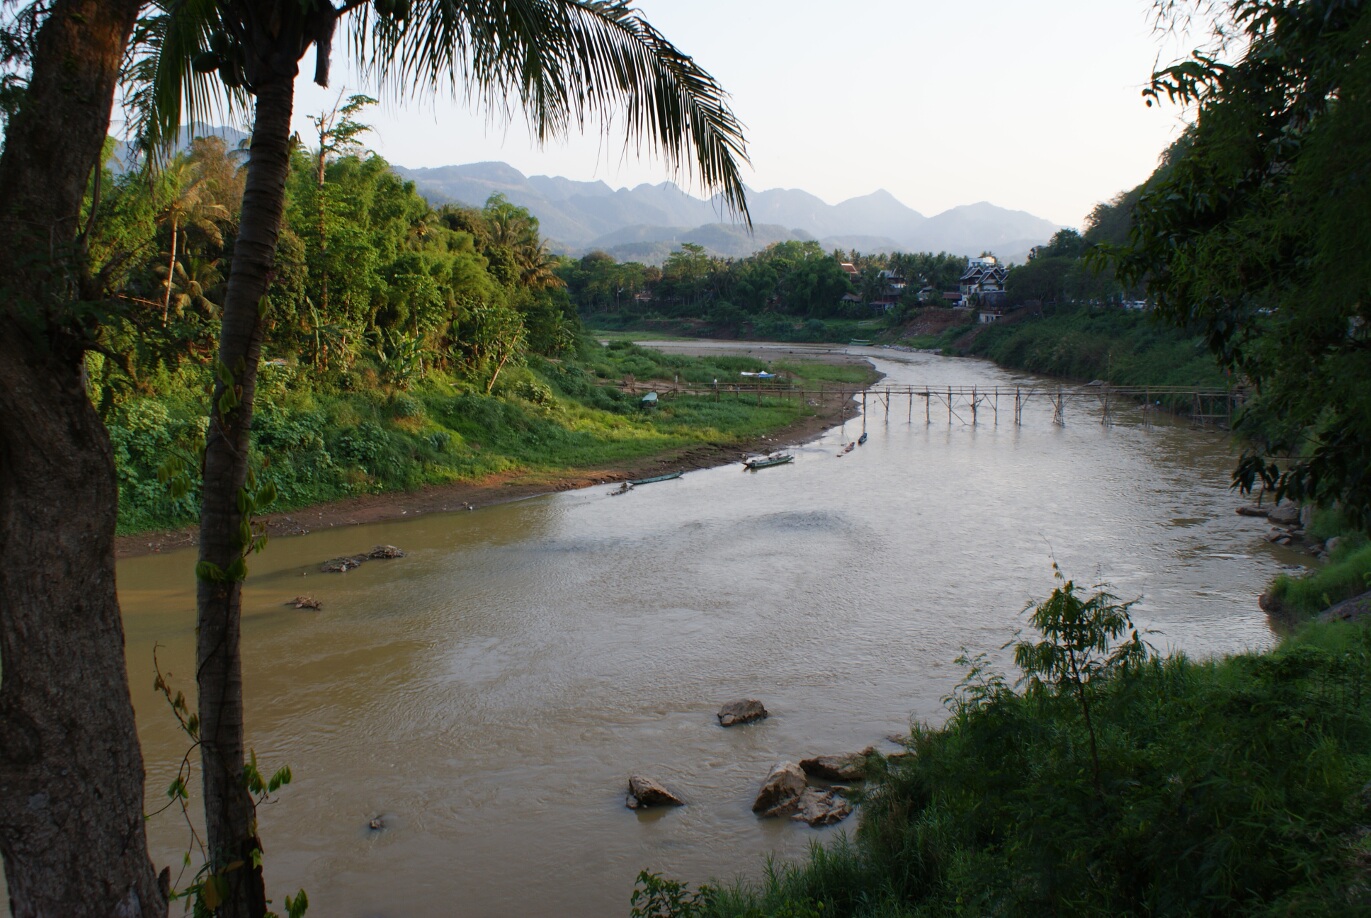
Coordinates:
[667,477]
[768,461]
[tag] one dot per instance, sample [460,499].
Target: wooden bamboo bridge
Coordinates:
[973,405]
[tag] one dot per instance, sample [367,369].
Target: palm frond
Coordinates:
[566,62]
[162,90]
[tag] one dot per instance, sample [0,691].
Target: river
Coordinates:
[488,695]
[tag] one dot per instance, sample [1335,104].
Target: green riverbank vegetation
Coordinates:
[362,432]
[1346,574]
[1085,342]
[404,345]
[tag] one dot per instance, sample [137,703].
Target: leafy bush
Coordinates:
[406,406]
[1124,348]
[369,446]
[144,433]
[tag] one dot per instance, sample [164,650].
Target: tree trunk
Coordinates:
[71,772]
[171,272]
[323,225]
[229,816]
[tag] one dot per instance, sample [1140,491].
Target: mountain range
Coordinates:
[647,222]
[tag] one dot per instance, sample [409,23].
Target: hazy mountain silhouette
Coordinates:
[645,223]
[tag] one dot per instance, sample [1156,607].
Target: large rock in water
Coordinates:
[1287,514]
[821,806]
[780,791]
[848,767]
[647,792]
[744,711]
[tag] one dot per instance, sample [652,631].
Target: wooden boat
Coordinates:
[667,477]
[768,461]
[862,438]
[849,448]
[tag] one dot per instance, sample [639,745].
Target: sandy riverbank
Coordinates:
[373,508]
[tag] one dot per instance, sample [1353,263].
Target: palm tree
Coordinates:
[565,61]
[190,206]
[515,229]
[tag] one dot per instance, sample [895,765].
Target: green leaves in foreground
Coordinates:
[1079,636]
[1078,647]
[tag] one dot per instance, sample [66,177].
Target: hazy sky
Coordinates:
[1030,105]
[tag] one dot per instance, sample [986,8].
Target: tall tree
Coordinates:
[71,772]
[338,132]
[1254,232]
[565,60]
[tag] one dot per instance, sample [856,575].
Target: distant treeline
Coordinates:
[777,291]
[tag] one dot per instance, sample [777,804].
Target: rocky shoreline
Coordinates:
[815,791]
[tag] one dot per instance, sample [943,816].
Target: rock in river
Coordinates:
[647,792]
[780,791]
[342,565]
[849,767]
[347,563]
[744,711]
[1287,514]
[821,807]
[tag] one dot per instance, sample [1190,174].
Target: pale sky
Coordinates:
[1033,106]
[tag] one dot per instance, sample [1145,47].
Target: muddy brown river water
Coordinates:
[488,695]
